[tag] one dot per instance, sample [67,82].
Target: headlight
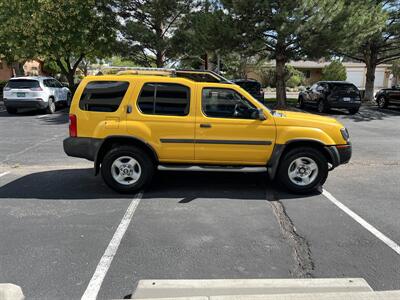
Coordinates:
[345,134]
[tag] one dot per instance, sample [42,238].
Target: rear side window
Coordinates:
[23,84]
[103,96]
[164,99]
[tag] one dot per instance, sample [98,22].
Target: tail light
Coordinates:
[36,89]
[73,128]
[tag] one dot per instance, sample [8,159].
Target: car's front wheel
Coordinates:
[127,169]
[301,102]
[381,101]
[303,170]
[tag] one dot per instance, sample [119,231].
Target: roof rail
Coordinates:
[194,75]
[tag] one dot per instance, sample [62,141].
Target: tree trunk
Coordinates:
[160,59]
[370,80]
[71,80]
[280,82]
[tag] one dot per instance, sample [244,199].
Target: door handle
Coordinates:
[205,126]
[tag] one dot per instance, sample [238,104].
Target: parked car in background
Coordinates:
[45,93]
[253,87]
[386,97]
[325,95]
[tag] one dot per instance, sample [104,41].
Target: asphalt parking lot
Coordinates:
[57,219]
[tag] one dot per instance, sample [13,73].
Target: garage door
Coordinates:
[356,77]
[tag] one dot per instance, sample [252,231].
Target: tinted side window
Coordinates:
[164,99]
[103,96]
[47,83]
[56,84]
[226,103]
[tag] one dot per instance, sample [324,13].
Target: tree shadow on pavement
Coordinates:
[366,113]
[80,184]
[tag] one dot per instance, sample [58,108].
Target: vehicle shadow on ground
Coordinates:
[366,114]
[60,116]
[78,184]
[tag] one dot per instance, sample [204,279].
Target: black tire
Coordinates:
[322,107]
[145,162]
[301,102]
[303,152]
[11,110]
[382,102]
[353,111]
[51,106]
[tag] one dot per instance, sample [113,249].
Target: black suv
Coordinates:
[386,97]
[331,94]
[253,87]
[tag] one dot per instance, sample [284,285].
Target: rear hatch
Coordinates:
[252,87]
[345,92]
[22,89]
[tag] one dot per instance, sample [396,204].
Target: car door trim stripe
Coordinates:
[214,142]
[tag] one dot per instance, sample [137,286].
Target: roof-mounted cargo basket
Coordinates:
[194,75]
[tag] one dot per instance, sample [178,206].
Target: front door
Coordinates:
[228,130]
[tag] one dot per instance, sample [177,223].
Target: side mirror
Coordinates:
[308,88]
[260,115]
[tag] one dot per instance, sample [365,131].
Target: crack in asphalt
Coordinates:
[301,251]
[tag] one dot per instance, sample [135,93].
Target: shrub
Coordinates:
[334,71]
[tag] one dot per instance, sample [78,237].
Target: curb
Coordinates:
[9,291]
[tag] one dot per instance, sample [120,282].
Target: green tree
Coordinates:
[294,29]
[63,31]
[381,47]
[334,71]
[148,29]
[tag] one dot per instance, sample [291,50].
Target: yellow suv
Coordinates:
[134,123]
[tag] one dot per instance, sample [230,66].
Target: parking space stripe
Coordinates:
[4,173]
[395,247]
[95,283]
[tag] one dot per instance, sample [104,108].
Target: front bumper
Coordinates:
[340,154]
[25,103]
[82,147]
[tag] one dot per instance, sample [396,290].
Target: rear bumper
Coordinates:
[82,147]
[28,103]
[343,104]
[340,154]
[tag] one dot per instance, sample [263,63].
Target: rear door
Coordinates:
[163,115]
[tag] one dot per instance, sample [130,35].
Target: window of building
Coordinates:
[164,99]
[104,96]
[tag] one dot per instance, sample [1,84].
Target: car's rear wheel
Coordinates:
[51,106]
[127,169]
[381,101]
[322,106]
[353,111]
[303,170]
[11,110]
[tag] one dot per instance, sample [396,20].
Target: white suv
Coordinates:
[35,92]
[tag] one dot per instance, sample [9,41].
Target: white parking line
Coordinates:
[97,279]
[4,173]
[395,247]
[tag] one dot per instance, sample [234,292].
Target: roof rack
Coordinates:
[194,75]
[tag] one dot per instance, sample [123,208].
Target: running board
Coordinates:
[212,168]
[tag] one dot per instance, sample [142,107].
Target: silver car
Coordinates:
[44,93]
